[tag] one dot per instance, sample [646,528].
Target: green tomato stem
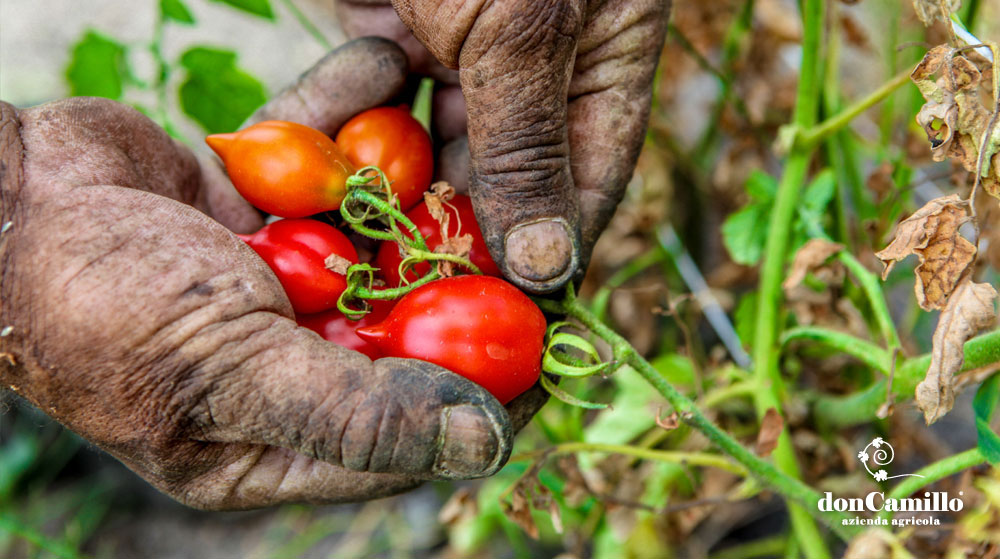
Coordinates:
[865,352]
[932,473]
[837,412]
[791,488]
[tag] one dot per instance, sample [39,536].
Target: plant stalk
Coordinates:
[791,488]
[765,350]
[934,472]
[837,412]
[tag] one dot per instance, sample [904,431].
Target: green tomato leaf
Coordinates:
[745,233]
[820,191]
[676,368]
[97,67]
[761,186]
[260,8]
[216,93]
[175,10]
[633,411]
[984,405]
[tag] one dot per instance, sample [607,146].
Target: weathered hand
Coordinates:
[557,95]
[137,320]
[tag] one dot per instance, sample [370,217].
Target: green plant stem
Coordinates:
[808,138]
[837,412]
[765,352]
[836,149]
[770,476]
[307,24]
[715,397]
[670,456]
[865,352]
[932,473]
[872,287]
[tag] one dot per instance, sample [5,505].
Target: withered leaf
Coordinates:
[932,233]
[337,263]
[930,10]
[518,511]
[459,246]
[944,260]
[770,429]
[668,423]
[460,505]
[811,256]
[969,310]
[954,118]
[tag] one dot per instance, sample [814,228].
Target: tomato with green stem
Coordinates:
[298,251]
[392,140]
[461,221]
[480,327]
[284,168]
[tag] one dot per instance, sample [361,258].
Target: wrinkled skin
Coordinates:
[557,96]
[130,313]
[143,324]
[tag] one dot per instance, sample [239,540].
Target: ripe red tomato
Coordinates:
[388,258]
[334,327]
[396,142]
[284,168]
[480,327]
[296,250]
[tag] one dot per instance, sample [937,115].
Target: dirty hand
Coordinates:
[132,315]
[557,95]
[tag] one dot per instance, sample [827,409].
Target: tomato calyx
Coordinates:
[371,209]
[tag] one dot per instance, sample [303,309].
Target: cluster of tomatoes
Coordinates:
[478,326]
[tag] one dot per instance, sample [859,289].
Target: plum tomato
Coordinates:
[334,327]
[390,138]
[480,327]
[462,221]
[296,250]
[284,168]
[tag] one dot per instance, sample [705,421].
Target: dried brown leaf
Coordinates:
[969,310]
[459,246]
[930,10]
[461,505]
[668,423]
[932,233]
[519,512]
[770,429]
[956,122]
[337,263]
[811,256]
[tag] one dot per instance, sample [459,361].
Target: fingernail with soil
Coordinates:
[540,252]
[471,444]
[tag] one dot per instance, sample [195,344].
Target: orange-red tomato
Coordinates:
[480,327]
[284,168]
[461,221]
[390,138]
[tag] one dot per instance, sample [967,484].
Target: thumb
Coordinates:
[394,416]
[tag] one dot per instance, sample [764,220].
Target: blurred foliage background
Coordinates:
[686,243]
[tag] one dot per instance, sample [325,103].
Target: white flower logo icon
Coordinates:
[882,456]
